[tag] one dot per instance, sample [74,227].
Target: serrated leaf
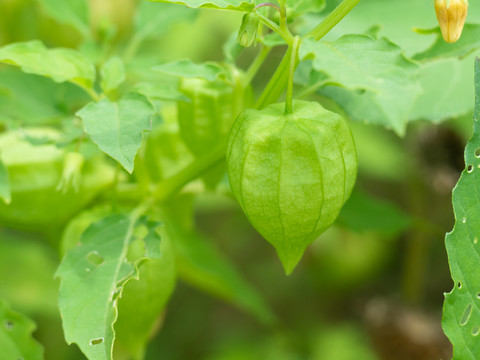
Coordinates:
[239,5]
[16,339]
[378,83]
[468,42]
[72,12]
[59,64]
[113,74]
[5,194]
[461,311]
[92,276]
[188,69]
[144,299]
[117,127]
[200,264]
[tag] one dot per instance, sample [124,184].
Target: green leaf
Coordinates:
[239,5]
[93,276]
[156,91]
[461,310]
[379,88]
[155,19]
[16,339]
[468,42]
[59,64]
[200,264]
[5,194]
[144,299]
[188,69]
[72,12]
[363,212]
[113,74]
[117,127]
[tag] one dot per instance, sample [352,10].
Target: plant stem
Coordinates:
[277,83]
[332,19]
[293,63]
[170,186]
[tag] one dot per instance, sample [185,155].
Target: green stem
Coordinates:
[277,83]
[256,65]
[293,65]
[170,186]
[332,19]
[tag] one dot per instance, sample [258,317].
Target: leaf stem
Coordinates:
[277,83]
[293,63]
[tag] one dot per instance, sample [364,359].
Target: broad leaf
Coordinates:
[5,194]
[117,127]
[72,12]
[379,88]
[59,64]
[93,276]
[239,5]
[461,312]
[188,69]
[468,42]
[16,339]
[143,300]
[113,74]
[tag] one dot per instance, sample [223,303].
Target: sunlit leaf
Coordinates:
[461,311]
[59,64]
[117,127]
[16,339]
[93,276]
[113,74]
[376,82]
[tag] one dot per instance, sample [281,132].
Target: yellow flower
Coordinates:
[451,15]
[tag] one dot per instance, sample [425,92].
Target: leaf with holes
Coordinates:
[59,64]
[461,309]
[117,127]
[239,5]
[93,275]
[16,339]
[380,88]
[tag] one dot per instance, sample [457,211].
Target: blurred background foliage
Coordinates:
[370,288]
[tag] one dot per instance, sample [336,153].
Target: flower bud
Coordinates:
[451,15]
[248,30]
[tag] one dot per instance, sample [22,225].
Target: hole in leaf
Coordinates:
[469,168]
[96,341]
[466,314]
[9,324]
[475,240]
[477,152]
[475,330]
[464,220]
[459,284]
[94,258]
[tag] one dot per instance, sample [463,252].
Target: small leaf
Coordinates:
[461,313]
[117,127]
[188,69]
[59,64]
[72,12]
[379,88]
[93,276]
[5,194]
[16,339]
[239,5]
[113,74]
